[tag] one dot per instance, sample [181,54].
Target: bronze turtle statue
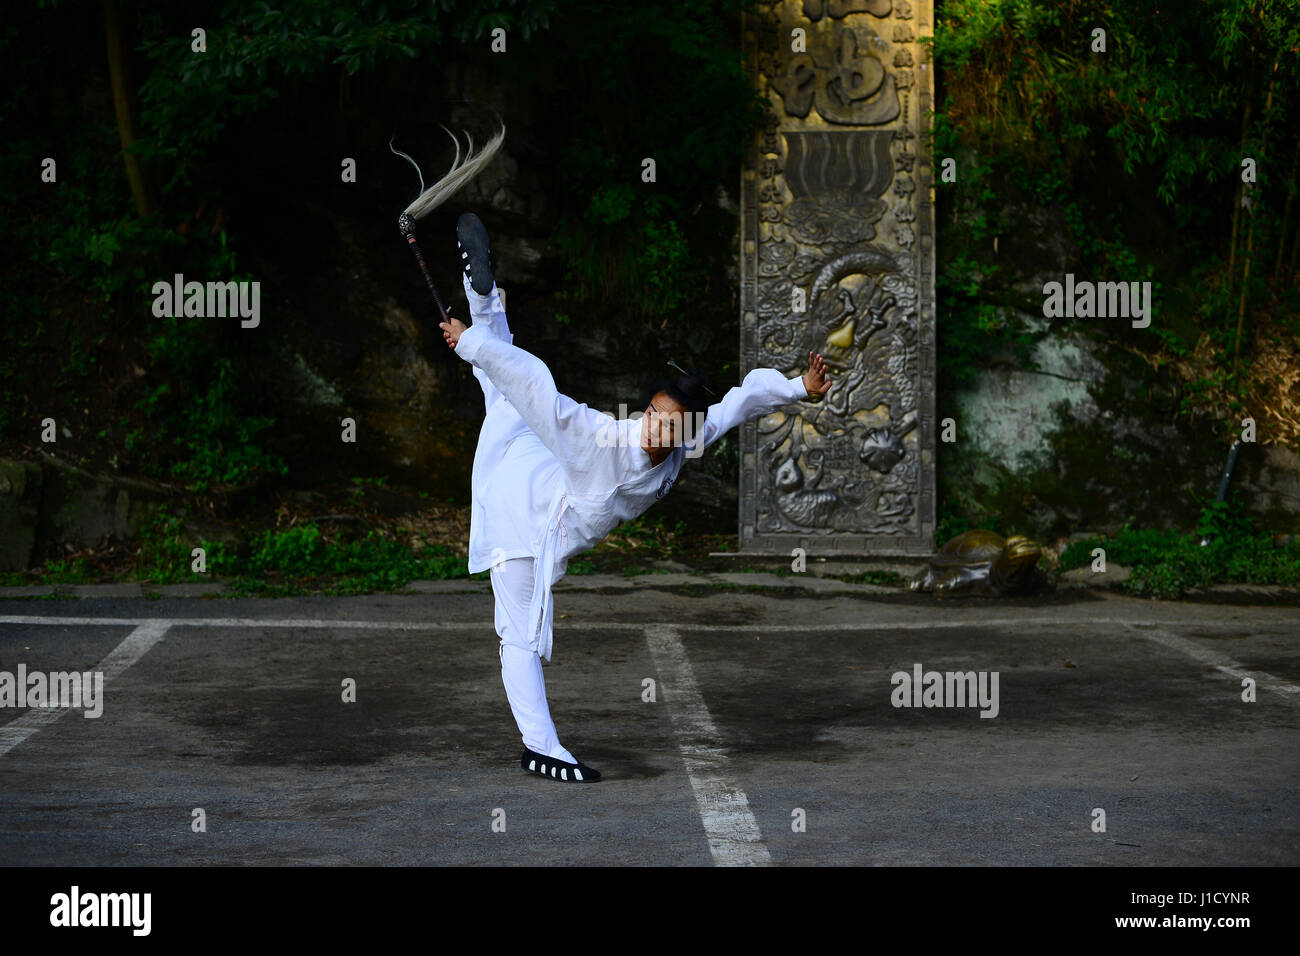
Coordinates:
[981,562]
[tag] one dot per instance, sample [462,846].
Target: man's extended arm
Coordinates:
[763,391]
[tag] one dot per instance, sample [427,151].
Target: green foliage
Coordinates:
[1182,93]
[255,51]
[888,579]
[1044,84]
[81,241]
[83,231]
[644,264]
[950,524]
[199,407]
[1129,548]
[1225,521]
[162,557]
[971,328]
[293,559]
[1167,564]
[76,245]
[661,80]
[165,551]
[646,532]
[73,571]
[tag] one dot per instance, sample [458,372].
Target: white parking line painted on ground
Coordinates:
[134,647]
[734,837]
[344,624]
[1219,661]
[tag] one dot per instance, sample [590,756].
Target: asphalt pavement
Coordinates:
[733,727]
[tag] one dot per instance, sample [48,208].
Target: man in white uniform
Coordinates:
[552,478]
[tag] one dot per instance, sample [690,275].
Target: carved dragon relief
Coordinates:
[834,225]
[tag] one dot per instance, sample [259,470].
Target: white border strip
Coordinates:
[1221,662]
[734,837]
[343,624]
[134,647]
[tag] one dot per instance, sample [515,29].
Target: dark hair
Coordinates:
[692,391]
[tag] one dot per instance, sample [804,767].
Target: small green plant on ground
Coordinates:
[165,554]
[71,571]
[1167,564]
[292,560]
[889,579]
[302,557]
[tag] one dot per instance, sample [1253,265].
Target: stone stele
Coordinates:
[837,257]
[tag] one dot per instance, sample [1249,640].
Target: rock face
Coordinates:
[1091,438]
[54,501]
[85,509]
[20,504]
[1270,482]
[1010,412]
[1088,578]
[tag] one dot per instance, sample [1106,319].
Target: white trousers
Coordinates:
[512,582]
[521,665]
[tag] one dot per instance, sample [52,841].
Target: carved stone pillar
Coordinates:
[837,257]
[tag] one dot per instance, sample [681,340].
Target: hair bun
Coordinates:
[691,389]
[695,383]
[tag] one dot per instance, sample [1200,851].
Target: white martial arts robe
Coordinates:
[551,476]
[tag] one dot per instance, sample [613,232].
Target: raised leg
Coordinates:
[487,310]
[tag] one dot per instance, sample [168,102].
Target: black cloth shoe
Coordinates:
[475,252]
[554,769]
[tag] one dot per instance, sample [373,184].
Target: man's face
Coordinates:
[661,425]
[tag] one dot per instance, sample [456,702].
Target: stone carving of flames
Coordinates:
[836,179]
